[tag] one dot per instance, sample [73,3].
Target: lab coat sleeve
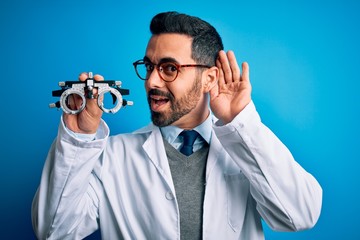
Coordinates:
[288,198]
[65,205]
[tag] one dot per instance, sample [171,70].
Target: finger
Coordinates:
[90,103]
[245,77]
[214,92]
[70,102]
[225,66]
[221,80]
[74,102]
[235,70]
[83,76]
[98,77]
[78,101]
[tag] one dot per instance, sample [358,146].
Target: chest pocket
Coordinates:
[237,190]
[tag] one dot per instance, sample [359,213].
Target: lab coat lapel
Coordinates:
[155,150]
[214,154]
[234,192]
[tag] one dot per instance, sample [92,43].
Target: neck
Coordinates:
[194,118]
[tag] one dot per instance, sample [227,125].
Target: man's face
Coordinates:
[174,103]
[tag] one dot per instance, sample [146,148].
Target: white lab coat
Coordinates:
[123,185]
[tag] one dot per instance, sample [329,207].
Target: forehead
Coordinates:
[169,45]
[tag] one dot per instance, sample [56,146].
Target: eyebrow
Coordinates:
[162,60]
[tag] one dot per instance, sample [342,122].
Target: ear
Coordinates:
[210,78]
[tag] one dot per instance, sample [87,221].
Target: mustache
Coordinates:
[160,93]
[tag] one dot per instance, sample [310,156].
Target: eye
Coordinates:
[149,67]
[169,68]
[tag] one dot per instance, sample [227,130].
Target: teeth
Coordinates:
[158,98]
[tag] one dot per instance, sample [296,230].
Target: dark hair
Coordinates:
[206,42]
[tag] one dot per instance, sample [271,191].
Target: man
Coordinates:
[155,183]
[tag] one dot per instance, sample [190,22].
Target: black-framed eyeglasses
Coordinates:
[168,71]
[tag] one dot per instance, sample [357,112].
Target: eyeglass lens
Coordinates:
[167,71]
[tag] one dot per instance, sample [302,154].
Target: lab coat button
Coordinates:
[169,195]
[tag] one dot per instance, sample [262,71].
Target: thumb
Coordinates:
[214,91]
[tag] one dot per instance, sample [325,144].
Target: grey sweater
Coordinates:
[188,175]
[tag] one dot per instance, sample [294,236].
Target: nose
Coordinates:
[154,80]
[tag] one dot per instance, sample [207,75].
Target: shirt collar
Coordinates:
[170,133]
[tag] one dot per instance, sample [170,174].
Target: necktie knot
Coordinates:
[189,137]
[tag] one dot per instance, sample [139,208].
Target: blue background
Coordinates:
[304,61]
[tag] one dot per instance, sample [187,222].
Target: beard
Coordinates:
[178,107]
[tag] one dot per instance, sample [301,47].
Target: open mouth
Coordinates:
[158,102]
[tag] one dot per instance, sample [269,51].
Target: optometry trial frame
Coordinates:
[84,90]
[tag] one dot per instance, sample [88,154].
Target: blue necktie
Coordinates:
[189,139]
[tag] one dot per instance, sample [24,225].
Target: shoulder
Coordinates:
[140,134]
[146,129]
